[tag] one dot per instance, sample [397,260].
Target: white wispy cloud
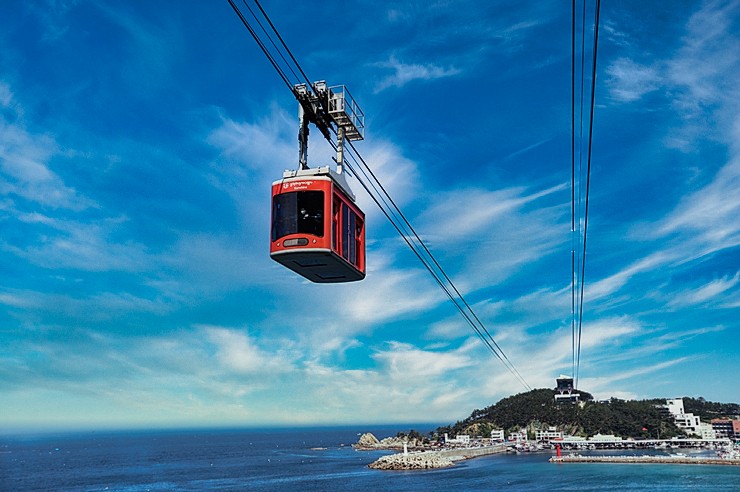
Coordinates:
[464,212]
[83,246]
[604,387]
[403,73]
[629,81]
[712,292]
[239,352]
[399,175]
[710,51]
[6,95]
[496,232]
[26,173]
[264,146]
[386,294]
[86,309]
[610,285]
[709,214]
[407,362]
[527,149]
[674,337]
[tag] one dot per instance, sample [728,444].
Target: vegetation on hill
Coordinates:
[537,410]
[708,410]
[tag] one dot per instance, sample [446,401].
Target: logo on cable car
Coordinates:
[298,185]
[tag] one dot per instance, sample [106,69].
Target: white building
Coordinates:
[706,431]
[548,435]
[675,407]
[687,422]
[520,436]
[573,440]
[604,438]
[461,439]
[497,435]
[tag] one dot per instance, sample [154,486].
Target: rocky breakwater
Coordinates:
[412,461]
[418,459]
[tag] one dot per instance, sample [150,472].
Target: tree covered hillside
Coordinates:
[709,410]
[536,409]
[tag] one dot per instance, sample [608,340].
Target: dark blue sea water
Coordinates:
[303,460]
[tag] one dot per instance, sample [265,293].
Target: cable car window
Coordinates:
[345,231]
[336,230]
[298,212]
[351,233]
[349,239]
[358,242]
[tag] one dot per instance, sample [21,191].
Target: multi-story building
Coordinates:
[550,434]
[460,439]
[497,435]
[726,428]
[520,436]
[706,431]
[604,438]
[675,406]
[688,422]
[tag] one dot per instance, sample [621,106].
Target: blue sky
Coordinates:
[137,147]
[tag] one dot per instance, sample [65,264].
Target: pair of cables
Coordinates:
[281,58]
[579,193]
[397,218]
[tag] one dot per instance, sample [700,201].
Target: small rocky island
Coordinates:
[368,442]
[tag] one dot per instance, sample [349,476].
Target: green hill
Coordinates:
[536,409]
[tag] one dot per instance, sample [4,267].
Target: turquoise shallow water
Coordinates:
[287,460]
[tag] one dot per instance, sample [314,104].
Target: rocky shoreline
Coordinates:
[369,442]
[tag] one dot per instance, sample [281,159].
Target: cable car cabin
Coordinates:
[317,230]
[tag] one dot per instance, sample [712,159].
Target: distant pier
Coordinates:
[671,459]
[640,443]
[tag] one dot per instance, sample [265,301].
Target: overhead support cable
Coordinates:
[274,45]
[435,269]
[573,190]
[578,261]
[274,29]
[261,44]
[377,192]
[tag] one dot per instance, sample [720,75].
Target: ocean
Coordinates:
[310,459]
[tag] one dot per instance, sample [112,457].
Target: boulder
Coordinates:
[368,440]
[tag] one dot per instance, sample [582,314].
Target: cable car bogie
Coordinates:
[317,229]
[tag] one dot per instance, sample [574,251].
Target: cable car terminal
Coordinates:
[317,229]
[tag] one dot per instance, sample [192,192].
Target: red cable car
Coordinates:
[317,230]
